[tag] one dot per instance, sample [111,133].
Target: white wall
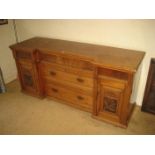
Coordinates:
[132,34]
[7,62]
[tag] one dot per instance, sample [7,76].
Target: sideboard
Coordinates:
[93,78]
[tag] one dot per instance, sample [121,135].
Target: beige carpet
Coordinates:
[23,114]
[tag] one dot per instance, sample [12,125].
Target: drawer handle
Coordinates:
[80,98]
[54,90]
[52,73]
[80,80]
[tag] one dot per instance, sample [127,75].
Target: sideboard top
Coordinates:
[112,57]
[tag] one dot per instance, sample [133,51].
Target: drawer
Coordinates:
[68,95]
[71,86]
[23,54]
[115,83]
[86,73]
[113,73]
[66,61]
[78,77]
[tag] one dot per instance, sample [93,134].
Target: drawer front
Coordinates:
[68,95]
[23,55]
[75,76]
[113,73]
[69,62]
[68,85]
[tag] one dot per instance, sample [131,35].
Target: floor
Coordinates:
[23,114]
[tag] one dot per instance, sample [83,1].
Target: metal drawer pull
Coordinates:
[54,90]
[52,73]
[80,98]
[80,80]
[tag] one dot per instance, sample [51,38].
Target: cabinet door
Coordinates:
[110,99]
[27,78]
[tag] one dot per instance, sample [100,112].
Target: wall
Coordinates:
[132,34]
[7,62]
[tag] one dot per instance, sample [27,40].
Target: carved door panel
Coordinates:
[110,99]
[27,78]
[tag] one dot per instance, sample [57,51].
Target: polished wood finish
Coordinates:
[72,96]
[110,99]
[75,76]
[94,78]
[149,96]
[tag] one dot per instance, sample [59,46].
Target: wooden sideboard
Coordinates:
[94,78]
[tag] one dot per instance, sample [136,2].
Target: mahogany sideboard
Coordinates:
[94,78]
